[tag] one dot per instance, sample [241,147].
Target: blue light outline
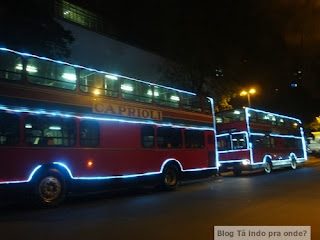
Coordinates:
[275,114]
[114,176]
[250,145]
[150,122]
[93,70]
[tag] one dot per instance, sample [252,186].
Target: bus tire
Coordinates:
[50,188]
[293,164]
[268,167]
[237,171]
[170,177]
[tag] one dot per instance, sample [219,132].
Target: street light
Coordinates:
[248,93]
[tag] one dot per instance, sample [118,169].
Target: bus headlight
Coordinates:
[245,162]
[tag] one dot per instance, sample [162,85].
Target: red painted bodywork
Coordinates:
[119,153]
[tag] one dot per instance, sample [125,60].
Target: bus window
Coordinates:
[10,66]
[9,129]
[98,83]
[51,74]
[194,138]
[166,97]
[207,107]
[262,142]
[136,91]
[239,141]
[49,131]
[169,137]
[191,102]
[224,143]
[147,136]
[89,133]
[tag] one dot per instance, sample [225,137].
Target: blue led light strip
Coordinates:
[112,177]
[92,70]
[20,110]
[274,114]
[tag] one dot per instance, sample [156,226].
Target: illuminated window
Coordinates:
[10,66]
[99,84]
[50,131]
[9,129]
[147,136]
[136,91]
[169,137]
[194,138]
[167,97]
[79,15]
[51,74]
[89,133]
[239,141]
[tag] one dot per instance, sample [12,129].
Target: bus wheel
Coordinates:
[237,171]
[170,178]
[293,164]
[268,167]
[50,189]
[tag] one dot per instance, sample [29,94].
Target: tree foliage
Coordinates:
[30,26]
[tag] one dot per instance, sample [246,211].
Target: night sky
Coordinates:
[267,44]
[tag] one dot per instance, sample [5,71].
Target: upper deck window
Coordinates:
[98,83]
[9,129]
[51,74]
[10,66]
[136,91]
[191,102]
[166,97]
[207,106]
[230,116]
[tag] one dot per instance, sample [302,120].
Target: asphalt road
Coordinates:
[285,197]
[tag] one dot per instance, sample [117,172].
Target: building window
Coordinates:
[79,15]
[89,133]
[50,131]
[99,84]
[147,136]
[194,138]
[9,129]
[169,137]
[51,74]
[10,66]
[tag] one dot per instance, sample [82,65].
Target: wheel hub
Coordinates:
[49,188]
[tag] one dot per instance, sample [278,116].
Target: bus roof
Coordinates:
[92,69]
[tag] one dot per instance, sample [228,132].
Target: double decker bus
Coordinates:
[62,124]
[250,139]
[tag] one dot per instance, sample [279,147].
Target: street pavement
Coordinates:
[283,198]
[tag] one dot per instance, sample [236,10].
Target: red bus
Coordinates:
[251,139]
[61,123]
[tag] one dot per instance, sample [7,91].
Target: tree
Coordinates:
[29,26]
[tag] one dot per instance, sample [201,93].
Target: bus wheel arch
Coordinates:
[293,163]
[50,186]
[268,167]
[171,174]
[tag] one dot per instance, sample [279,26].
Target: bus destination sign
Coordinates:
[126,111]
